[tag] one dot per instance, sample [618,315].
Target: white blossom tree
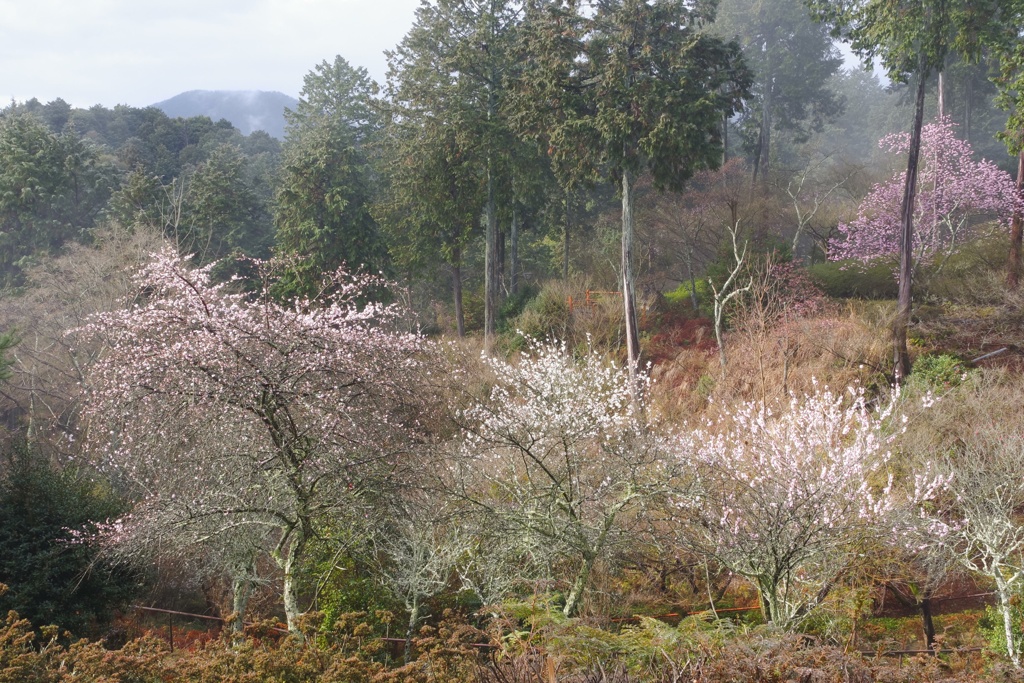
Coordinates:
[417,552]
[232,414]
[560,458]
[784,498]
[977,522]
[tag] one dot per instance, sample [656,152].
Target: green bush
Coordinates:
[974,274]
[513,307]
[992,628]
[546,315]
[54,577]
[852,279]
[679,298]
[939,371]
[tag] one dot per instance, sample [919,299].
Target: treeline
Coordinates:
[68,171]
[473,154]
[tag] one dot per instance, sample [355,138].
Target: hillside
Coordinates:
[247,110]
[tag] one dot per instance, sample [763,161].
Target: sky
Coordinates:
[139,52]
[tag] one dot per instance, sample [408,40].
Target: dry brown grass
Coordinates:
[986,406]
[839,348]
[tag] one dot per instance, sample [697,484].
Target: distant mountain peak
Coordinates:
[247,110]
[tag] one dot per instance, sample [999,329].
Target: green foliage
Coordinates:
[992,628]
[544,316]
[681,298]
[652,86]
[52,189]
[845,279]
[941,371]
[513,307]
[323,205]
[7,342]
[912,38]
[53,575]
[792,58]
[224,213]
[346,585]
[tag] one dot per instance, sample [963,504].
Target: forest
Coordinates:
[605,341]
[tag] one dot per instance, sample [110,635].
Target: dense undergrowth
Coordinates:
[523,646]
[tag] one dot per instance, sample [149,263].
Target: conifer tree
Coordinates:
[645,89]
[323,205]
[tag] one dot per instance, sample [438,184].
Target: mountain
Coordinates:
[247,110]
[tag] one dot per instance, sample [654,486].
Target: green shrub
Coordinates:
[546,315]
[973,274]
[513,307]
[679,299]
[54,577]
[851,279]
[992,628]
[940,371]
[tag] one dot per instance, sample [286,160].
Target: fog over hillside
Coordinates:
[247,110]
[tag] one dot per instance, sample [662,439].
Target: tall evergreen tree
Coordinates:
[429,204]
[911,39]
[647,87]
[1007,44]
[792,58]
[452,66]
[52,189]
[323,205]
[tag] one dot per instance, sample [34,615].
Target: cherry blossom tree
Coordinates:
[234,416]
[784,498]
[560,458]
[955,193]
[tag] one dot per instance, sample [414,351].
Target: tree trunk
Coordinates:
[901,354]
[1006,609]
[766,150]
[757,152]
[241,591]
[490,239]
[460,315]
[513,265]
[927,622]
[766,593]
[490,265]
[572,601]
[410,630]
[628,292]
[968,109]
[764,143]
[1016,230]
[565,239]
[500,260]
[290,566]
[694,301]
[941,96]
[725,139]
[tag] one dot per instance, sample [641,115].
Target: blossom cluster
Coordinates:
[215,403]
[955,194]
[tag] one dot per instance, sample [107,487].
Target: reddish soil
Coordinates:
[675,331]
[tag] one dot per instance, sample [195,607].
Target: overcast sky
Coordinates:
[139,52]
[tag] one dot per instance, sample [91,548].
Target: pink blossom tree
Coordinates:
[784,498]
[955,194]
[236,417]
